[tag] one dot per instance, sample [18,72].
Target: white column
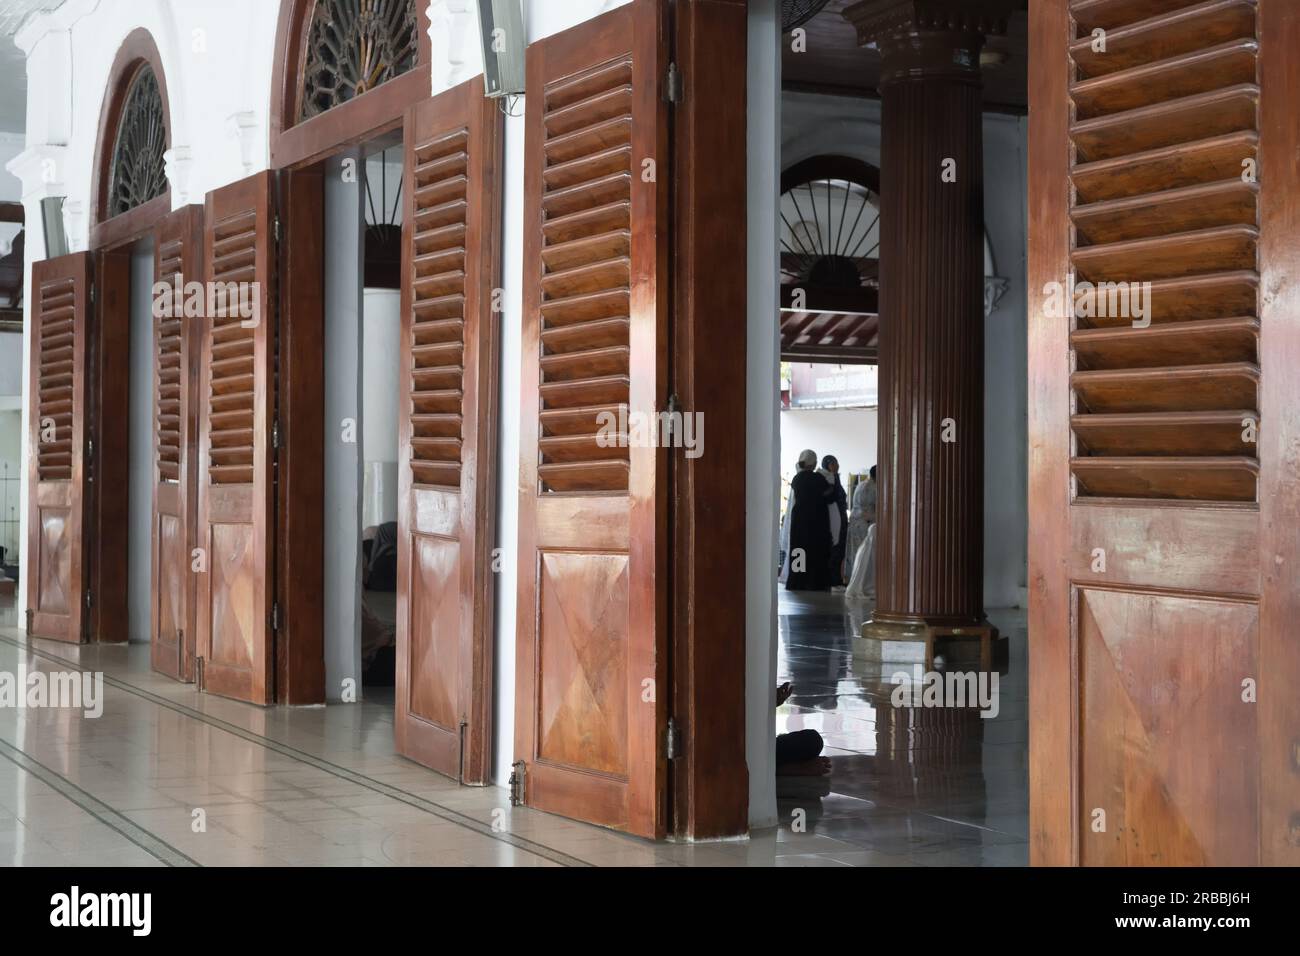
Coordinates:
[511,338]
[457,53]
[762,399]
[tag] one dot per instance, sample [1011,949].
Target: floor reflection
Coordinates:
[909,785]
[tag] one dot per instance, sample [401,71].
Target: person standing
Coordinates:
[861,517]
[808,557]
[839,518]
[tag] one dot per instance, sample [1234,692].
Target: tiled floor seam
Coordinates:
[156,847]
[343,773]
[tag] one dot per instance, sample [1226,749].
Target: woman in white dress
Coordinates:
[861,517]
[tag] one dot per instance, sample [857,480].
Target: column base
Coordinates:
[912,640]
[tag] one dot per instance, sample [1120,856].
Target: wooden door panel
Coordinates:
[1149,571]
[1167,740]
[435,618]
[178,340]
[591,651]
[237,412]
[447,432]
[58,468]
[582,661]
[55,560]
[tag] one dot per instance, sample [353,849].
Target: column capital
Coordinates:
[40,168]
[877,20]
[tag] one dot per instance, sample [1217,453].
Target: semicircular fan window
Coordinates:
[139,171]
[354,46]
[831,234]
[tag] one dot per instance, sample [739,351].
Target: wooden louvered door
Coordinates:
[447,434]
[592,654]
[1150,163]
[236,417]
[178,258]
[58,474]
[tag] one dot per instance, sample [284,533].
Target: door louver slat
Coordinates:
[169,363]
[586,278]
[232,381]
[54,379]
[1165,139]
[441,183]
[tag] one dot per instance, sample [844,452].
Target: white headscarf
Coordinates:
[807,459]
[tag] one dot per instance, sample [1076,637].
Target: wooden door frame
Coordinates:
[1279,493]
[1053,737]
[108,397]
[709,783]
[298,154]
[295,144]
[707,647]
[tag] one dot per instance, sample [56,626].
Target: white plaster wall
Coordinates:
[380,348]
[847,433]
[1006,365]
[341,600]
[12,142]
[217,58]
[11,384]
[11,444]
[11,367]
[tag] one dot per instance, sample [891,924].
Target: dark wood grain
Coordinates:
[300,502]
[1279,448]
[178,254]
[58,472]
[1145,612]
[108,404]
[236,512]
[591,654]
[711,781]
[447,432]
[1053,740]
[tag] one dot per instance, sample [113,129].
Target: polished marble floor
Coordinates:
[167,776]
[911,786]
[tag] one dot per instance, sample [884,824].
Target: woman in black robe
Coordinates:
[810,527]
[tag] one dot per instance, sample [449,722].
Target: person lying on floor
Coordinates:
[798,754]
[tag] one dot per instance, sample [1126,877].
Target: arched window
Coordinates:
[138,171]
[830,260]
[353,46]
[130,147]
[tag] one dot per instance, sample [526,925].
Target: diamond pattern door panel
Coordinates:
[583,661]
[435,631]
[1168,742]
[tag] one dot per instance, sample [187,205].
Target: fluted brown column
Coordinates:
[930,540]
